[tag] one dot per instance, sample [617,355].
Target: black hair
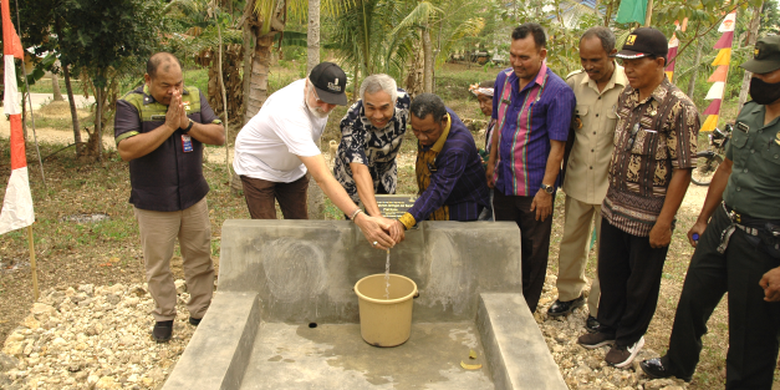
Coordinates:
[522,31]
[428,104]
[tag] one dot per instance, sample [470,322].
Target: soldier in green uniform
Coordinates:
[739,247]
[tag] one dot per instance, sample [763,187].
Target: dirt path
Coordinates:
[214,155]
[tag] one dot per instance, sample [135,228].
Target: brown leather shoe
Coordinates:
[596,340]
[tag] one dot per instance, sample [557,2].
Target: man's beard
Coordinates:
[317,111]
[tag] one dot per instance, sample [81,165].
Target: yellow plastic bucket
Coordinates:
[385,322]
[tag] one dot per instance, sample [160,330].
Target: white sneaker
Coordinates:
[622,356]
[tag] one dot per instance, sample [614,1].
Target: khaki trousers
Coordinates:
[159,231]
[573,255]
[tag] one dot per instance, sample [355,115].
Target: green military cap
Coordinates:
[766,56]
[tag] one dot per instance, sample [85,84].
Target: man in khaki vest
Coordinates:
[597,87]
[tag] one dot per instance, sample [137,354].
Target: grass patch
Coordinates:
[198,78]
[44,85]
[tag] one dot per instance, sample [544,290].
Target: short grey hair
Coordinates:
[379,82]
[605,35]
[428,104]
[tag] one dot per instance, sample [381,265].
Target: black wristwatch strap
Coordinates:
[189,127]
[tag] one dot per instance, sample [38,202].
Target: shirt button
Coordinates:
[739,189]
[599,97]
[752,151]
[776,156]
[591,168]
[592,150]
[594,133]
[597,115]
[745,171]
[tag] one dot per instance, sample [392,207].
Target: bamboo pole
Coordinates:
[224,103]
[649,14]
[33,266]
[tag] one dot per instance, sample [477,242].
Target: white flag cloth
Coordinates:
[17,204]
[716,91]
[728,23]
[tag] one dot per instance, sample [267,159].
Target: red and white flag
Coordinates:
[17,209]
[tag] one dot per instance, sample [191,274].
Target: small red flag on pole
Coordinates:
[17,211]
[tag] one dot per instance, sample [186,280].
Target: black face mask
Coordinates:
[764,93]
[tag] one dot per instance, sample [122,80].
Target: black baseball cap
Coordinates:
[330,82]
[643,42]
[766,56]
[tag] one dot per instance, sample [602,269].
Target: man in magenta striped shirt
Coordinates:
[533,107]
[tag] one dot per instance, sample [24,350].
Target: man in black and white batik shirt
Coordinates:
[371,135]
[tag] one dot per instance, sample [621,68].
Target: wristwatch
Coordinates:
[548,188]
[189,127]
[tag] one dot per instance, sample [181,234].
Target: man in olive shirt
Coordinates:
[597,87]
[739,247]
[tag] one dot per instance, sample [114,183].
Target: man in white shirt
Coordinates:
[278,147]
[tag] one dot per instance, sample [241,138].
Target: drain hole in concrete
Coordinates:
[312,325]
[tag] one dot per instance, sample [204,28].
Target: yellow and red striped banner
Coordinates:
[719,76]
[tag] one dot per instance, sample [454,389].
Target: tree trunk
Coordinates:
[316,199]
[224,102]
[249,41]
[365,41]
[261,64]
[695,74]
[752,38]
[414,77]
[608,13]
[96,137]
[427,61]
[55,86]
[313,36]
[355,88]
[74,115]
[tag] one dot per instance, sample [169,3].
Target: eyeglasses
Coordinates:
[631,139]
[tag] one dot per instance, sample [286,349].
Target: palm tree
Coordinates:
[263,20]
[426,20]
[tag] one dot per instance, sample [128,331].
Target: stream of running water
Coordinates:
[387,275]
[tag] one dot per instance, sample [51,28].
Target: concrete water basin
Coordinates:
[285,315]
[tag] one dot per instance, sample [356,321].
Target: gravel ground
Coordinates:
[98,338]
[92,338]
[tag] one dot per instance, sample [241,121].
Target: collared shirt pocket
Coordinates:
[612,118]
[580,116]
[646,143]
[739,137]
[771,152]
